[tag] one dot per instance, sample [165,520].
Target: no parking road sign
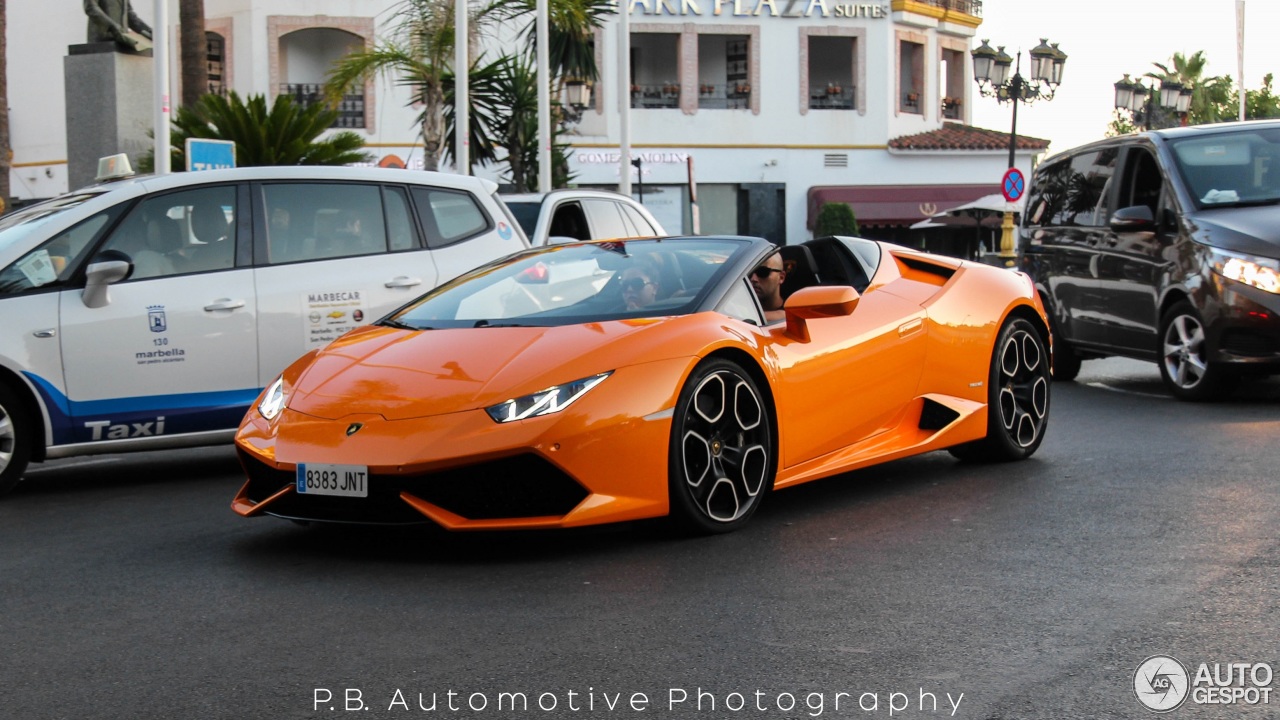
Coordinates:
[1013,185]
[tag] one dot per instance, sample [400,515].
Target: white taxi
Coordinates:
[150,312]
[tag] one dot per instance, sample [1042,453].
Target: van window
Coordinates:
[1073,192]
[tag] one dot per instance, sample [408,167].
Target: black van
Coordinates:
[1162,246]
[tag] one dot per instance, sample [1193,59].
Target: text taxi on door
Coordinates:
[149,312]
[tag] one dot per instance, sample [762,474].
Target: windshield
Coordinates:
[1231,169]
[526,213]
[577,283]
[21,223]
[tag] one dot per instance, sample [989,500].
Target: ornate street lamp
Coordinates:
[1151,108]
[991,71]
[576,97]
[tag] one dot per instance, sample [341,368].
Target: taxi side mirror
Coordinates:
[106,268]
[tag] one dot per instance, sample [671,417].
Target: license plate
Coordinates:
[342,480]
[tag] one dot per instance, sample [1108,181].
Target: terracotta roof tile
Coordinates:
[955,136]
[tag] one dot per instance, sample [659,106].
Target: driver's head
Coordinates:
[639,287]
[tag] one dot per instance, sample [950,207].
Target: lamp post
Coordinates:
[991,71]
[575,98]
[1153,107]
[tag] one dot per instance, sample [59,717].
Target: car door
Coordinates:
[605,218]
[331,256]
[1131,262]
[174,350]
[853,376]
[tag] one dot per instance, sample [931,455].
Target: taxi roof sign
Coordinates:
[114,167]
[205,154]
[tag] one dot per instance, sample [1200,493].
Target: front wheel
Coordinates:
[1184,360]
[15,439]
[721,455]
[1017,396]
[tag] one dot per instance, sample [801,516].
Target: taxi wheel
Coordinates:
[1017,396]
[721,455]
[1184,363]
[15,439]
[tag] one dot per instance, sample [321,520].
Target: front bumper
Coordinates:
[604,459]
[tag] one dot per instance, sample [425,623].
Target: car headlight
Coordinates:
[273,401]
[552,400]
[1262,273]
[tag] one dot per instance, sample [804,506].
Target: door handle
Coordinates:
[402,282]
[224,304]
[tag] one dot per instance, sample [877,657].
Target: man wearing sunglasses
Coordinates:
[639,288]
[766,280]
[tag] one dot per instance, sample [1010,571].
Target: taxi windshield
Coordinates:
[577,283]
[21,223]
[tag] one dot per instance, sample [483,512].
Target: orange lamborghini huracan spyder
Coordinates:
[597,382]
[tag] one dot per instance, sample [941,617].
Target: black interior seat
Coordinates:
[802,270]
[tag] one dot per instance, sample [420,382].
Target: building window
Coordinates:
[655,70]
[831,73]
[953,78]
[724,71]
[215,52]
[302,50]
[910,76]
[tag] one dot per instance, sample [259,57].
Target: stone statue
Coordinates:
[112,20]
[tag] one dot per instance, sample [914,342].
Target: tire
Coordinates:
[1066,363]
[1184,365]
[1018,391]
[15,439]
[722,458]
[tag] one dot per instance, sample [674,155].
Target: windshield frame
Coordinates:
[709,274]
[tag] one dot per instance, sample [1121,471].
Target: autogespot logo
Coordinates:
[1161,683]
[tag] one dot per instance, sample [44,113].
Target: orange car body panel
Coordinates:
[912,335]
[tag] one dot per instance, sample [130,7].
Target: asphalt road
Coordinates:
[1144,526]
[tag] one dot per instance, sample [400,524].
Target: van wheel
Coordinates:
[1184,360]
[15,439]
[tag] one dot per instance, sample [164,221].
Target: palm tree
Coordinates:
[194,51]
[1207,94]
[285,134]
[419,52]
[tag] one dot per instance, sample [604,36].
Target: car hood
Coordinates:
[1249,230]
[402,374]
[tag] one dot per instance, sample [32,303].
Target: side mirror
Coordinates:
[106,268]
[820,301]
[1133,219]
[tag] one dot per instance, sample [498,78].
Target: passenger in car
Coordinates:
[639,287]
[767,281]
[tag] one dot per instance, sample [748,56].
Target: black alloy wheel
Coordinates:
[722,457]
[1018,390]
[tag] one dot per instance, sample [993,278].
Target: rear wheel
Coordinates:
[1184,361]
[721,456]
[1017,396]
[15,439]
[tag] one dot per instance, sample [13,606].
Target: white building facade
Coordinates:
[771,106]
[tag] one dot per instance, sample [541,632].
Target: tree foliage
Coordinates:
[284,134]
[835,218]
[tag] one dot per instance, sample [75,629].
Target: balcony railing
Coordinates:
[666,95]
[350,110]
[968,7]
[832,97]
[724,96]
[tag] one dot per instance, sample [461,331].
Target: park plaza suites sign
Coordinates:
[758,8]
